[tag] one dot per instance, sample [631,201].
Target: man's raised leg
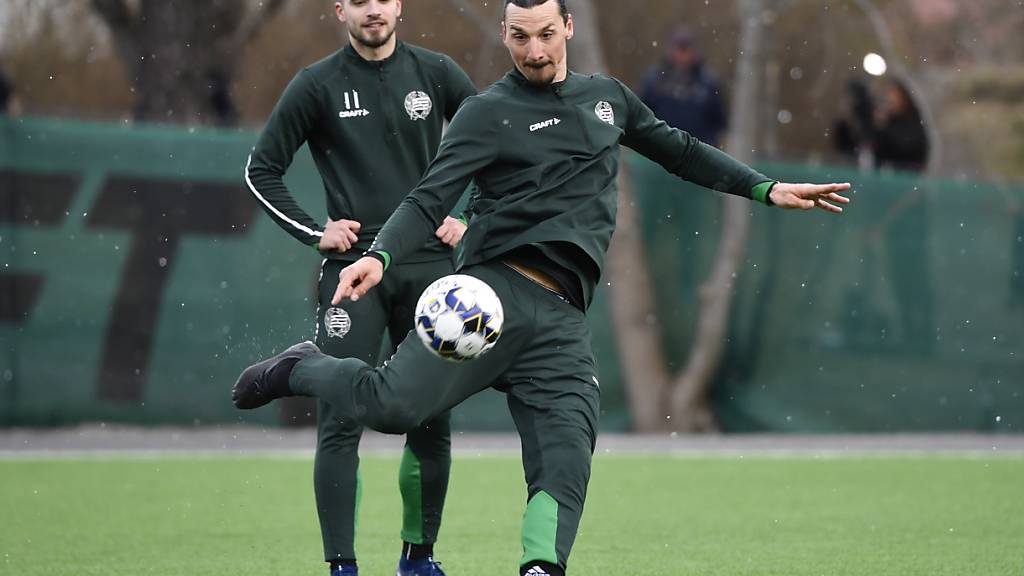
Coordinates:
[412,387]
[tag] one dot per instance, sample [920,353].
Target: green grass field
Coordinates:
[646,515]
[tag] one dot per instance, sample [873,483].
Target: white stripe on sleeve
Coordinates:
[274,209]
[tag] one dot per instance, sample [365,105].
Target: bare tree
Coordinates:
[181,56]
[490,36]
[689,405]
[631,296]
[658,400]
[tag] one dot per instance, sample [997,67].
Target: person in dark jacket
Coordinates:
[6,92]
[682,91]
[899,138]
[900,142]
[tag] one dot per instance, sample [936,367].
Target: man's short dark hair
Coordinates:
[562,8]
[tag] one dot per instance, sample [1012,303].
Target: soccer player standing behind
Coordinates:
[372,114]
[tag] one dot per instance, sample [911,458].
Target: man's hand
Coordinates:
[451,231]
[356,279]
[339,235]
[808,196]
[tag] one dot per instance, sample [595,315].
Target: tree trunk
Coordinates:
[630,295]
[637,334]
[169,68]
[690,409]
[586,54]
[181,56]
[689,406]
[490,36]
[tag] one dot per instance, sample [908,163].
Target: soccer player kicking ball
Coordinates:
[543,146]
[372,114]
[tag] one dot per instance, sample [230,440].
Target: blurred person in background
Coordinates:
[854,131]
[682,91]
[7,100]
[223,106]
[888,134]
[900,143]
[899,138]
[372,115]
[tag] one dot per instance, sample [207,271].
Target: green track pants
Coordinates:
[356,330]
[544,364]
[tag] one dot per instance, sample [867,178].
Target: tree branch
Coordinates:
[690,389]
[116,14]
[634,315]
[585,53]
[124,28]
[252,22]
[487,28]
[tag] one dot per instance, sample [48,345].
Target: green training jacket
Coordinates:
[372,127]
[545,160]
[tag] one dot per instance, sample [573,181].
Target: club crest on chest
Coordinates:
[418,105]
[604,112]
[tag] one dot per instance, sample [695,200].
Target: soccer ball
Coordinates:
[459,317]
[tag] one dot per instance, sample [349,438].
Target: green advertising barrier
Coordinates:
[905,313]
[138,276]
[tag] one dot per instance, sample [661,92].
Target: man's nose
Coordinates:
[535,50]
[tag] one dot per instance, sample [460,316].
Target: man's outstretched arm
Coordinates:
[703,164]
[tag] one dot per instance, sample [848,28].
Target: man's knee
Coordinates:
[432,437]
[397,418]
[337,436]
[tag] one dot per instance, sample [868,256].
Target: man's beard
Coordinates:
[372,41]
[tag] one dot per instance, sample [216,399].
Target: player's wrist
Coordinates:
[762,192]
[379,255]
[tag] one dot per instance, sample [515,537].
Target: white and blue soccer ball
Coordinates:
[459,317]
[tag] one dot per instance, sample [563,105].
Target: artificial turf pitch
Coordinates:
[646,515]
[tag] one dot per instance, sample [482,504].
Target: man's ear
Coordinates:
[568,28]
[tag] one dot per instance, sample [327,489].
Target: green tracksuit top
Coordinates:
[545,160]
[372,127]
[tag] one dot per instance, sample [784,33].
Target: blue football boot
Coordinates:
[419,567]
[345,571]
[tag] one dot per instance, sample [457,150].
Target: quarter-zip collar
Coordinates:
[357,59]
[556,87]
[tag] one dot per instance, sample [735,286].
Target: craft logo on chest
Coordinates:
[352,107]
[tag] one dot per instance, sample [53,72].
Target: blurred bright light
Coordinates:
[875,64]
